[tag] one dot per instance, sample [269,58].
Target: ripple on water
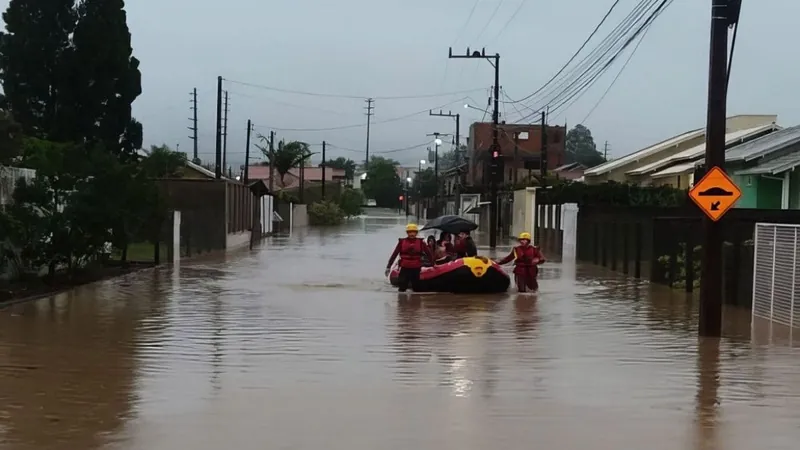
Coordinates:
[263,346]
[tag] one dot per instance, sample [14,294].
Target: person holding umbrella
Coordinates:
[526,259]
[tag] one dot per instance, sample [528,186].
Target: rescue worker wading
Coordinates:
[526,259]
[410,249]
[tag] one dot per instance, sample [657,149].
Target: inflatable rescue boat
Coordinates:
[462,276]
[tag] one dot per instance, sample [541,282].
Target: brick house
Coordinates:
[517,164]
[292,179]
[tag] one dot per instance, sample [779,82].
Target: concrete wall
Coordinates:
[299,216]
[524,211]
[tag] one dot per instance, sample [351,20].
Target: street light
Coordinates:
[438,142]
[468,106]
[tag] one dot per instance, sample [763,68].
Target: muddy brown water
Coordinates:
[301,344]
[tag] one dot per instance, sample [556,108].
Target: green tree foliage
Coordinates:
[342,163]
[613,194]
[10,138]
[163,162]
[325,213]
[350,201]
[32,61]
[580,147]
[287,156]
[424,185]
[383,183]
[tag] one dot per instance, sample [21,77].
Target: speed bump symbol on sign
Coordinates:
[715,194]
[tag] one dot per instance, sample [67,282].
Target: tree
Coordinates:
[383,183]
[350,201]
[104,79]
[425,184]
[342,163]
[163,162]
[286,157]
[580,147]
[10,138]
[32,67]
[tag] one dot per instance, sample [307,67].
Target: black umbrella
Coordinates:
[450,224]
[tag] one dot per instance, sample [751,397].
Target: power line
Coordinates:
[466,23]
[360,125]
[602,97]
[510,19]
[575,55]
[596,68]
[595,57]
[355,97]
[491,18]
[580,90]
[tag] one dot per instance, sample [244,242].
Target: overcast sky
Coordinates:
[383,48]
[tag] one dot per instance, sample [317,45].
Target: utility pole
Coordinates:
[605,151]
[436,143]
[370,112]
[225,135]
[271,160]
[247,153]
[218,150]
[516,155]
[496,151]
[323,169]
[193,128]
[544,149]
[724,13]
[458,152]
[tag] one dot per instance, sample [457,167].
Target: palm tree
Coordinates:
[287,156]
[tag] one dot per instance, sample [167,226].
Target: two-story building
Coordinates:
[520,147]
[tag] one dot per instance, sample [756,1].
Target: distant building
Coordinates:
[521,156]
[292,179]
[573,171]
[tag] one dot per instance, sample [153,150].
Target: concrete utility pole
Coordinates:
[225,135]
[436,143]
[724,13]
[544,149]
[496,152]
[271,160]
[323,169]
[458,152]
[370,112]
[247,153]
[218,149]
[193,128]
[605,151]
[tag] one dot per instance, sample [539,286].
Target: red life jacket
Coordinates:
[411,253]
[525,255]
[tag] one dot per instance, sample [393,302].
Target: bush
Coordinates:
[325,213]
[350,202]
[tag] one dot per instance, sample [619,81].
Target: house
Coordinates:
[573,171]
[678,170]
[292,179]
[520,146]
[618,169]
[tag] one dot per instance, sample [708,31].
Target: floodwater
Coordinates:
[300,344]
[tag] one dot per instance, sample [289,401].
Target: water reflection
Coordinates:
[257,348]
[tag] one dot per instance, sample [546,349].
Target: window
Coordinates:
[523,135]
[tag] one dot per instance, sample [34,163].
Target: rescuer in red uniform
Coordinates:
[410,249]
[526,259]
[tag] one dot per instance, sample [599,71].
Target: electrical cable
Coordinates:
[595,58]
[630,57]
[575,55]
[491,18]
[510,19]
[601,64]
[579,91]
[355,97]
[361,125]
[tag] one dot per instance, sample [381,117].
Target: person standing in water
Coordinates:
[526,259]
[410,249]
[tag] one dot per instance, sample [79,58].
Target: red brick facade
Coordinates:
[528,151]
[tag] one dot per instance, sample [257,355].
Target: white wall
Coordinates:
[569,224]
[267,205]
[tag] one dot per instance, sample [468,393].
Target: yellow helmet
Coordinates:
[412,227]
[525,235]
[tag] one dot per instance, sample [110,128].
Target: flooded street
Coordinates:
[302,344]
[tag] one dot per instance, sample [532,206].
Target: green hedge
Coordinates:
[325,213]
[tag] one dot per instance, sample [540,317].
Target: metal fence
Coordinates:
[775,275]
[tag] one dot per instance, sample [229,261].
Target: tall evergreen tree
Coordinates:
[106,77]
[31,61]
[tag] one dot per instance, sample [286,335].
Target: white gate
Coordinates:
[775,277]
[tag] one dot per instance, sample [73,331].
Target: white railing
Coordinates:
[775,274]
